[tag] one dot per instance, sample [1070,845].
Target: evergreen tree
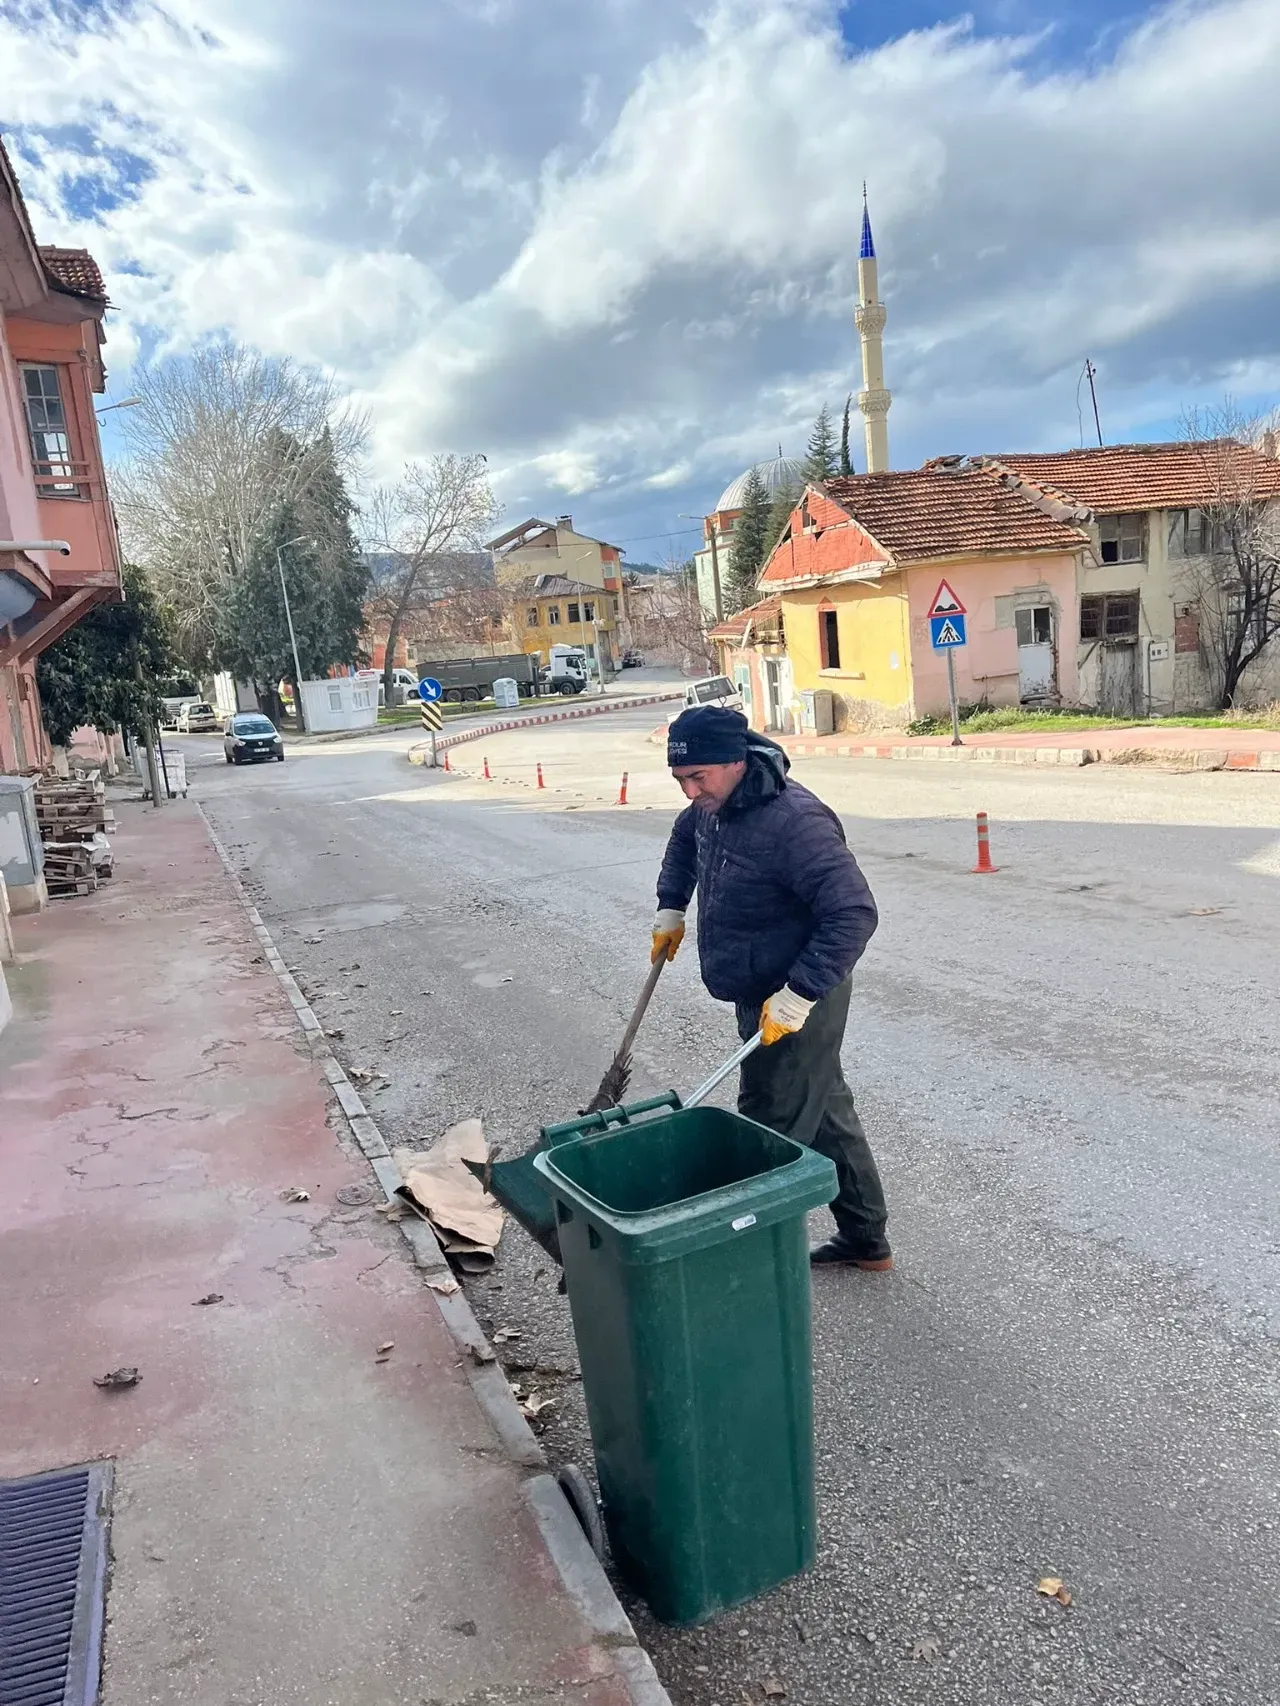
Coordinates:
[327,580]
[750,546]
[846,466]
[785,500]
[820,463]
[90,676]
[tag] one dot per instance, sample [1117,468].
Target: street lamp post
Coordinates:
[293,638]
[129,403]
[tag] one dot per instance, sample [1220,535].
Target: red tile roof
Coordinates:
[951,507]
[734,627]
[74,270]
[1129,477]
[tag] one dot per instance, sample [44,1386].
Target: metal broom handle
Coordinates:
[721,1072]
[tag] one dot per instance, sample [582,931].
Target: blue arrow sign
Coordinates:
[946,631]
[430,689]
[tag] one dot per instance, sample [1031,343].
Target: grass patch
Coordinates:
[982,719]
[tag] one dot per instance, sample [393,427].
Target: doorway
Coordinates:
[773,693]
[1118,679]
[1036,661]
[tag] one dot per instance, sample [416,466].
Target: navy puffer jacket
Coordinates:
[780,896]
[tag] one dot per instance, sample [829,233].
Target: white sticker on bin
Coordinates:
[743,1221]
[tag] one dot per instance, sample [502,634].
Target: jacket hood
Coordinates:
[766,777]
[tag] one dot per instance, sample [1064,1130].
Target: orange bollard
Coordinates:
[622,792]
[447,765]
[541,783]
[487,776]
[984,866]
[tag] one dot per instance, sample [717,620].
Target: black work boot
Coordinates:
[836,1253]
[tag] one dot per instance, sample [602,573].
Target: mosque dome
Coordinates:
[778,473]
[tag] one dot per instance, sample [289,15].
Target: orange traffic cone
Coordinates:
[541,783]
[622,792]
[487,776]
[984,866]
[447,765]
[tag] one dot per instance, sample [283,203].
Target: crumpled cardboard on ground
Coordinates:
[467,1221]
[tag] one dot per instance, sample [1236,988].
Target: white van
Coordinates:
[711,690]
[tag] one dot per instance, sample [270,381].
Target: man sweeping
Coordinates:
[784,914]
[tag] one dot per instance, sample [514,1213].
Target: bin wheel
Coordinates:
[584,1505]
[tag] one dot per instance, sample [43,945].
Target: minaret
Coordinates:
[869,317]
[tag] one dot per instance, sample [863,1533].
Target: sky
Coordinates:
[612,243]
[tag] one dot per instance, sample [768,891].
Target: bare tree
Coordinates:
[1232,542]
[424,532]
[668,620]
[223,441]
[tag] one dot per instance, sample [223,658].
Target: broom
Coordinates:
[613,1086]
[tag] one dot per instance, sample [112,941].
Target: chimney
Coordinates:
[565,521]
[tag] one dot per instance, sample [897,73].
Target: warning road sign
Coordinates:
[432,716]
[945,603]
[947,631]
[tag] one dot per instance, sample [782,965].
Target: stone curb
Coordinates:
[418,754]
[1069,757]
[580,1571]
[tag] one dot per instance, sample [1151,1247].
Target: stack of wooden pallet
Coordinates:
[73,816]
[72,810]
[68,868]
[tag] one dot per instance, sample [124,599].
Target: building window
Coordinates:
[335,698]
[553,616]
[1122,538]
[531,616]
[588,611]
[1034,624]
[47,425]
[1197,533]
[1109,616]
[829,638]
[573,613]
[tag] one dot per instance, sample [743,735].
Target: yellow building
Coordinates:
[551,610]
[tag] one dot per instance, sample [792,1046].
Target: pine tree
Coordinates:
[785,500]
[846,466]
[750,545]
[820,463]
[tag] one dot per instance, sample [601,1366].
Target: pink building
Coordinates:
[59,553]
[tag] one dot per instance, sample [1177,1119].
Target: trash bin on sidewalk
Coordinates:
[686,1262]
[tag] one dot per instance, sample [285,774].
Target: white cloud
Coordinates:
[614,246]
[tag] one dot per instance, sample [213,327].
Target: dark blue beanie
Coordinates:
[707,734]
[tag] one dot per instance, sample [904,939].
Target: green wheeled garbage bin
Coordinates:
[687,1267]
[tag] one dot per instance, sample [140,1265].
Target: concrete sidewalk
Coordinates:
[294,1520]
[1180,748]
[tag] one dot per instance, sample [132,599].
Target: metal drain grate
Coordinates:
[53,1577]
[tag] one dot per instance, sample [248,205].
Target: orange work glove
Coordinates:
[783,1014]
[668,933]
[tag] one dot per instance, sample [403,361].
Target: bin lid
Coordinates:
[662,1187]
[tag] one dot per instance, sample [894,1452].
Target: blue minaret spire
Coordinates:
[868,249]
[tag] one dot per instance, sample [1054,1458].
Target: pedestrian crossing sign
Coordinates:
[947,631]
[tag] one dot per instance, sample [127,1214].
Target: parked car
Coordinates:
[172,707]
[250,737]
[710,690]
[632,659]
[198,718]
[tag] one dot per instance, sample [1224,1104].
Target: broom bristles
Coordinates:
[613,1086]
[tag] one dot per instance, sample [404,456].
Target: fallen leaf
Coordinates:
[311,940]
[446,1287]
[772,1689]
[481,1354]
[926,1648]
[393,1211]
[505,1334]
[396,1012]
[210,1297]
[389,1346]
[533,1406]
[507,979]
[1204,911]
[295,1193]
[1052,1588]
[465,1628]
[119,1379]
[336,1034]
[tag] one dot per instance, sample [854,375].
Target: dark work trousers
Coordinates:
[797,1087]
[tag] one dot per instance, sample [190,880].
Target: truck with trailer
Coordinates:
[468,680]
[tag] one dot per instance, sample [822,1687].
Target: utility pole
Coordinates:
[715,572]
[293,638]
[1091,370]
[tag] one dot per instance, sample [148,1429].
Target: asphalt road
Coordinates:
[1069,1074]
